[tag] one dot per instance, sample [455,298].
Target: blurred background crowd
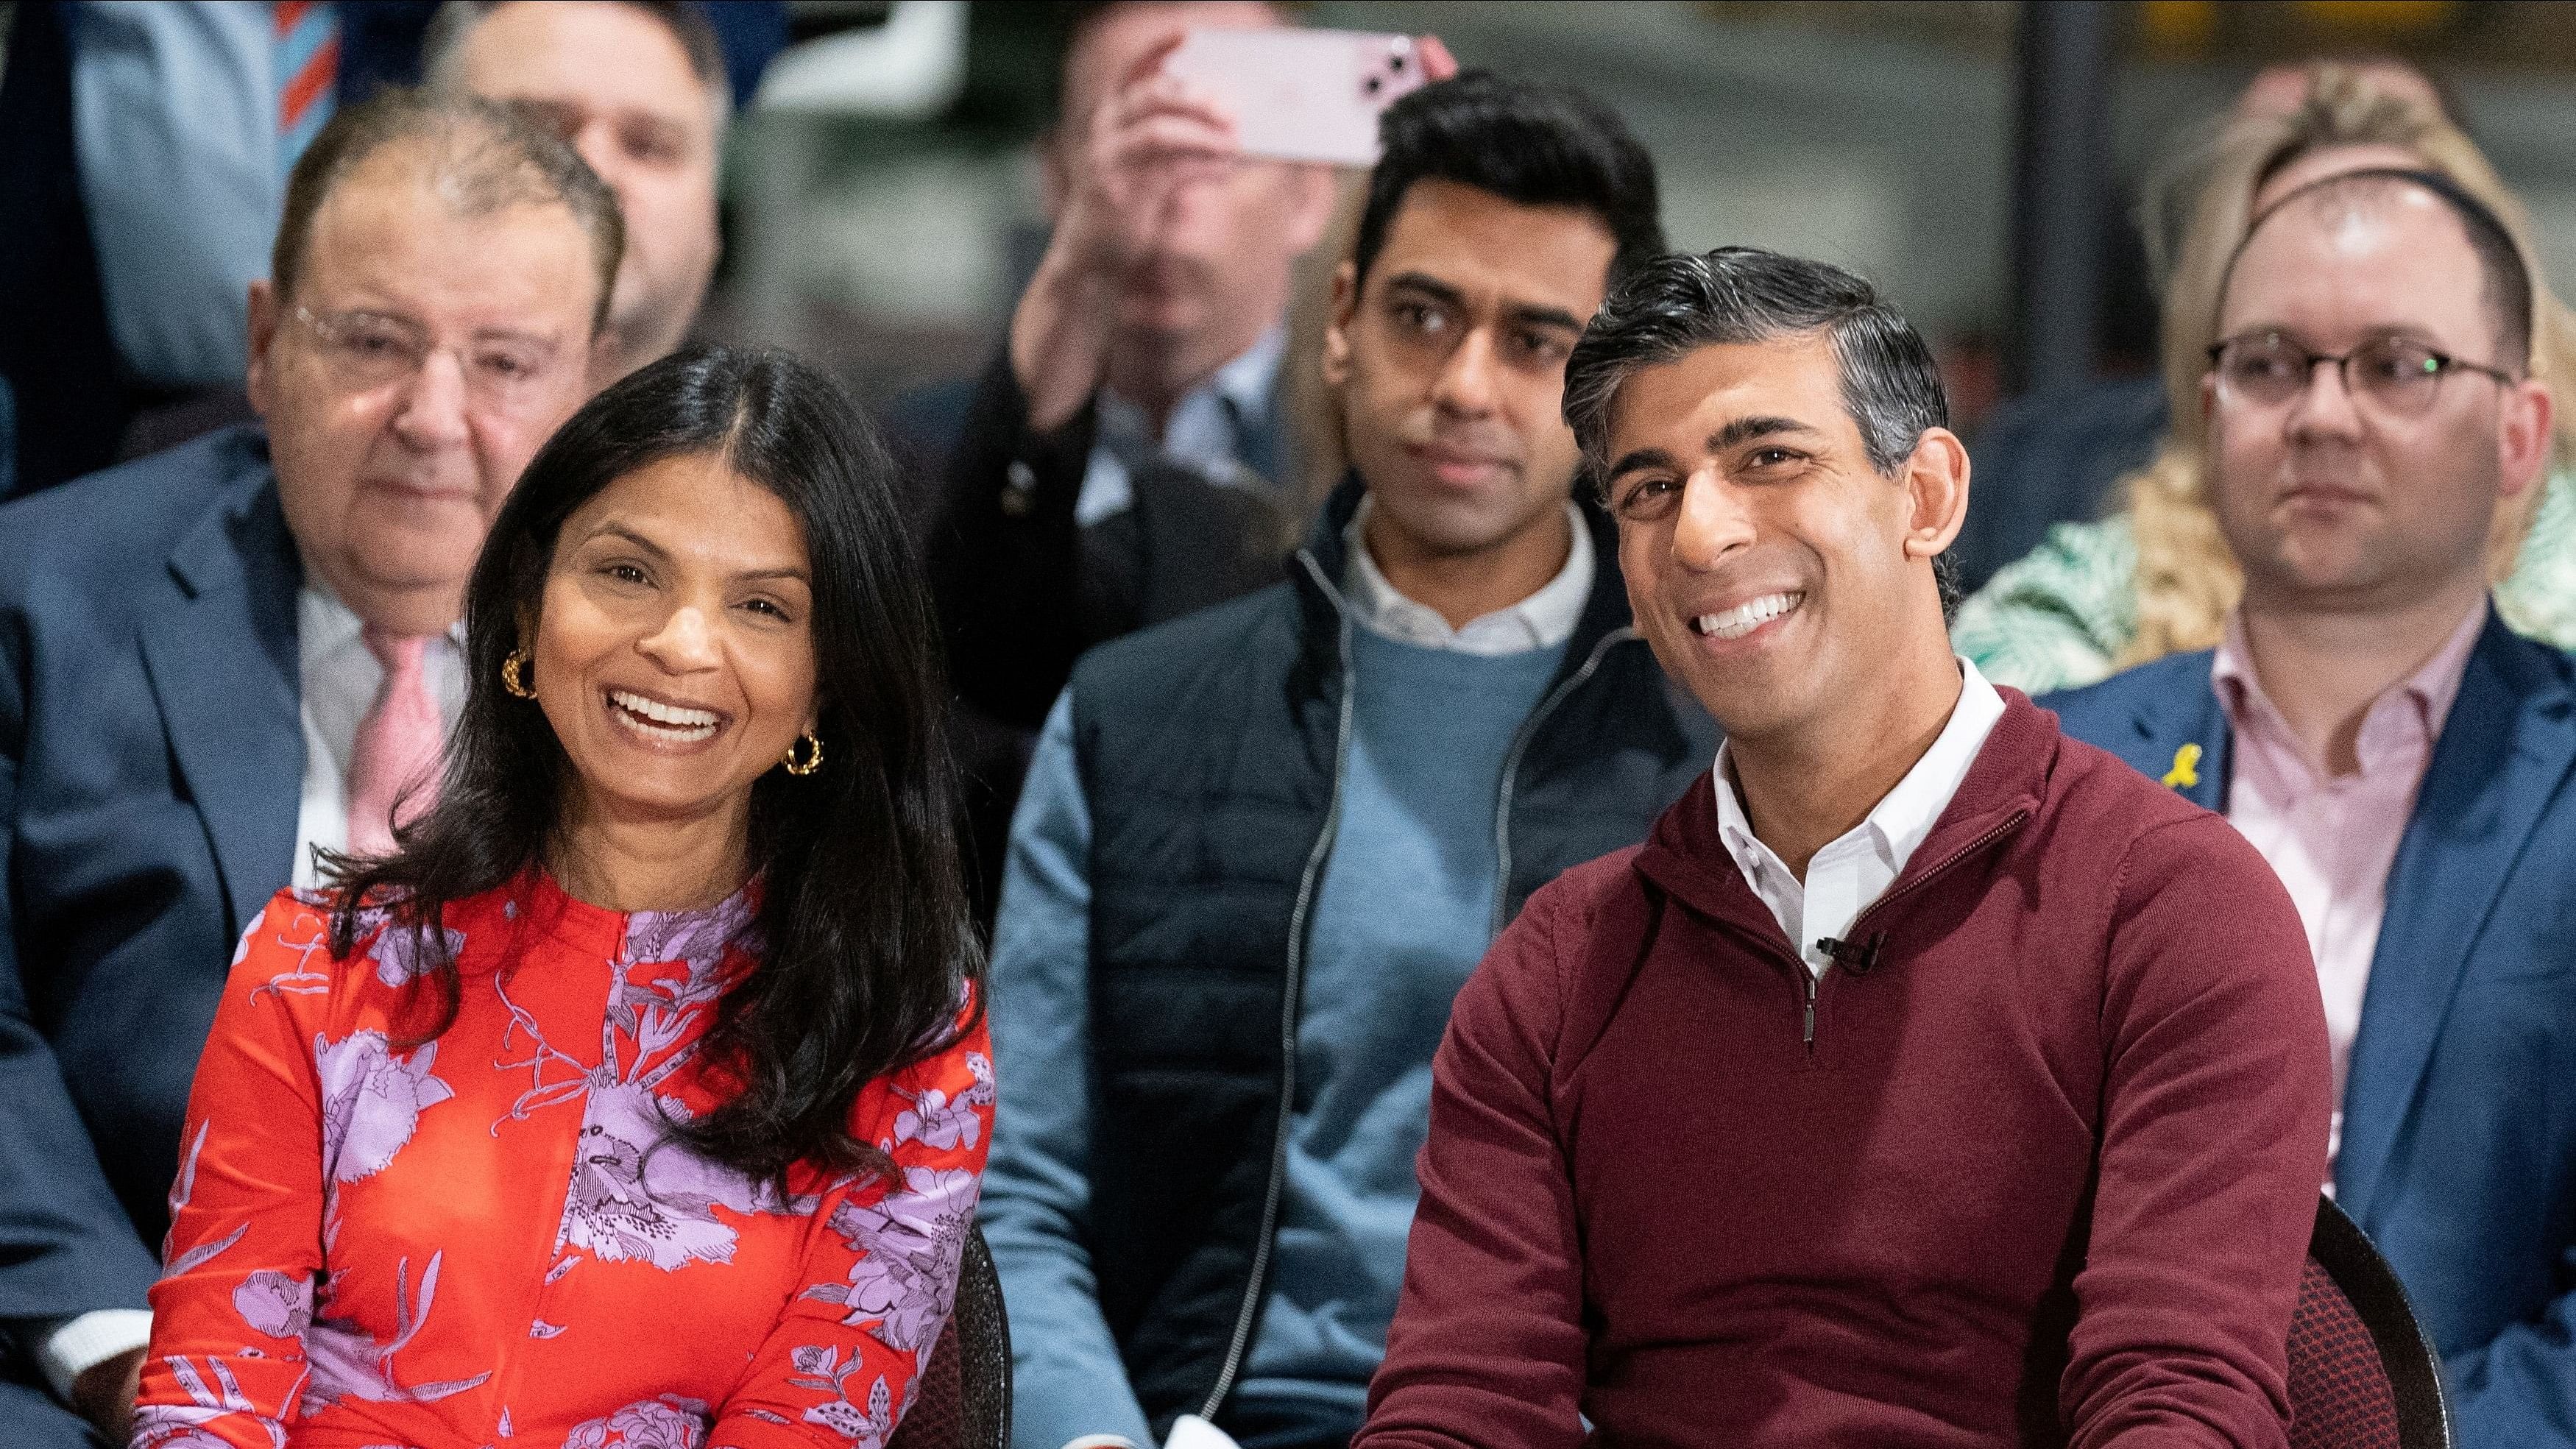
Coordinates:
[881,201]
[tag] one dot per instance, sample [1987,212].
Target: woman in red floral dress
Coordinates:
[668,1136]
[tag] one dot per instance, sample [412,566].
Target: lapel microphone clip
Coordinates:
[1856,957]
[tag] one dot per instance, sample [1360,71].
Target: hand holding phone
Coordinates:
[1307,95]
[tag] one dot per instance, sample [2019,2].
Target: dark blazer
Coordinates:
[151,763]
[1023,590]
[2459,1130]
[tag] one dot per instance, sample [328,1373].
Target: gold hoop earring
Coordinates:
[813,760]
[514,674]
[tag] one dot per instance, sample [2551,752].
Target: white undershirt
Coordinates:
[338,679]
[1856,868]
[1542,621]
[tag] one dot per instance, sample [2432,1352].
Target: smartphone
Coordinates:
[1302,95]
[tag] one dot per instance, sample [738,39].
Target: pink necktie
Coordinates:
[397,745]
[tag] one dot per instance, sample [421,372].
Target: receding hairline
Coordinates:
[2382,192]
[471,191]
[475,157]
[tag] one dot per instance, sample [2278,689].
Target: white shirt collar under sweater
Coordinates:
[1858,866]
[1542,621]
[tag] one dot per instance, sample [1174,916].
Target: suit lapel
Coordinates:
[2184,739]
[2502,757]
[221,656]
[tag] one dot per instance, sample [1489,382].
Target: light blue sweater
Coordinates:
[1402,914]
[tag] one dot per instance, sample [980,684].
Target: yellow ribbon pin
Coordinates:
[2186,768]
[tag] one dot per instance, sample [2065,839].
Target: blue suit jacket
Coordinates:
[151,763]
[2459,1129]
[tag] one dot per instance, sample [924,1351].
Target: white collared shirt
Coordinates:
[1205,432]
[340,677]
[1856,868]
[1542,621]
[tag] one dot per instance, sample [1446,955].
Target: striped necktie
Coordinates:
[308,65]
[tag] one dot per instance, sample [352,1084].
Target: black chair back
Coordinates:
[965,1397]
[2362,1373]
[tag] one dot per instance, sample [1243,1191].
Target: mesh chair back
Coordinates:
[965,1396]
[2362,1373]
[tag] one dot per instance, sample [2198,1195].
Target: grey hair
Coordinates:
[1676,305]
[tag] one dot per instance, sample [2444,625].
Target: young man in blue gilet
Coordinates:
[1261,847]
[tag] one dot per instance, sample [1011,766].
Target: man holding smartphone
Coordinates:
[1261,847]
[1135,400]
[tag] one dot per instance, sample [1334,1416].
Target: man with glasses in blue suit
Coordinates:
[2402,759]
[216,659]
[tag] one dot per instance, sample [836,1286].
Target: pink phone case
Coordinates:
[1302,95]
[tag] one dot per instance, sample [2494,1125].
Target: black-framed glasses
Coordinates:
[367,350]
[2398,375]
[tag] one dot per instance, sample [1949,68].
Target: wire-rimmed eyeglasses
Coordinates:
[2398,375]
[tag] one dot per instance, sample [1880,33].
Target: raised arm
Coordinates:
[1005,553]
[2215,1106]
[1487,1344]
[843,1364]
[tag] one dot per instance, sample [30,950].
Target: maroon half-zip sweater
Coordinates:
[2042,1174]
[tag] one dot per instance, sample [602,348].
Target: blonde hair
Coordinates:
[2187,580]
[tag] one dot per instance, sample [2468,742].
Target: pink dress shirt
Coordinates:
[2332,838]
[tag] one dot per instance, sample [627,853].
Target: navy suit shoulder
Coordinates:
[94,537]
[2527,665]
[151,763]
[2098,713]
[2162,719]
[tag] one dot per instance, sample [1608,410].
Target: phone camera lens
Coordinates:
[1372,85]
[1395,63]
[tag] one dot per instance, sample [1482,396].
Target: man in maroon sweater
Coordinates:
[1928,1078]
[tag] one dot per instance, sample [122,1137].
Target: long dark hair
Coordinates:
[866,945]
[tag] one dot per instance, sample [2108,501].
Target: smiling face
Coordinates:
[2331,498]
[1450,361]
[674,650]
[390,476]
[1774,571]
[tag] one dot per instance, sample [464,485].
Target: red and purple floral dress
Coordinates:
[486,1240]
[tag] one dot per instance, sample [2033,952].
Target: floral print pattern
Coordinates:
[502,1240]
[865,1425]
[910,1246]
[668,1422]
[372,1099]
